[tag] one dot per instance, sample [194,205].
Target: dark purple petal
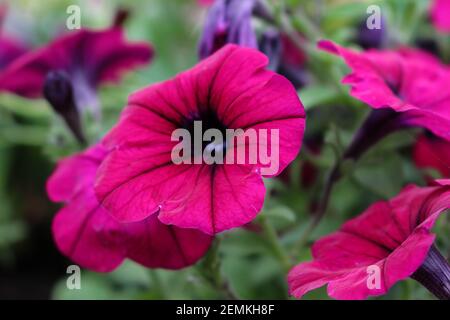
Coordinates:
[9,51]
[371,38]
[58,91]
[228,21]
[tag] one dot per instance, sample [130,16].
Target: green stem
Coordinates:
[293,26]
[283,22]
[157,284]
[332,178]
[408,290]
[304,23]
[274,243]
[210,271]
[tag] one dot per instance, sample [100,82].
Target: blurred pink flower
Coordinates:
[88,57]
[205,2]
[10,50]
[68,71]
[433,153]
[229,90]
[440,15]
[85,232]
[413,85]
[393,237]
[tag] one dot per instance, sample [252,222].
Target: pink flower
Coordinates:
[10,50]
[392,237]
[433,153]
[291,53]
[229,90]
[409,83]
[440,15]
[85,232]
[88,57]
[205,2]
[68,71]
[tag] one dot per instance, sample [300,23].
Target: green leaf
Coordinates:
[280,212]
[316,95]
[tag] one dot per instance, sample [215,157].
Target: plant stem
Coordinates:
[274,243]
[212,273]
[333,176]
[283,22]
[156,281]
[308,25]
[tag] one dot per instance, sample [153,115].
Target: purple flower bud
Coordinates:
[371,38]
[10,50]
[58,91]
[228,21]
[121,16]
[284,57]
[90,58]
[270,44]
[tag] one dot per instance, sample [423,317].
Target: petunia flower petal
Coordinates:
[407,82]
[231,89]
[91,57]
[86,233]
[434,153]
[10,50]
[156,245]
[393,237]
[440,15]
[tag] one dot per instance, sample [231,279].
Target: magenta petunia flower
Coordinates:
[68,70]
[229,90]
[205,2]
[410,86]
[390,241]
[10,50]
[88,57]
[86,233]
[440,15]
[433,153]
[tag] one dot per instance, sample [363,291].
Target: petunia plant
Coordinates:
[230,149]
[68,71]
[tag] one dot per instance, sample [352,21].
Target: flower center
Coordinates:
[200,123]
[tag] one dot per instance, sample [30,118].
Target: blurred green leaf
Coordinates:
[317,95]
